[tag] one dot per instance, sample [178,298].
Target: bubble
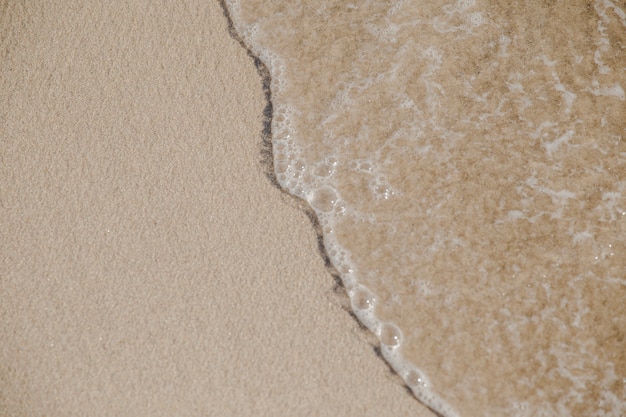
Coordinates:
[323,170]
[297,191]
[299,165]
[340,207]
[345,269]
[362,299]
[416,379]
[390,335]
[366,166]
[383,191]
[323,199]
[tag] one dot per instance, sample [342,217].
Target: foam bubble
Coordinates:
[323,170]
[323,199]
[362,298]
[298,165]
[415,379]
[390,335]
[340,207]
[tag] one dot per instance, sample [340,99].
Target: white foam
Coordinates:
[615,90]
[319,181]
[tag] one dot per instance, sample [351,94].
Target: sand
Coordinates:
[147,264]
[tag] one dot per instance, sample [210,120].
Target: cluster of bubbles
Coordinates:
[315,182]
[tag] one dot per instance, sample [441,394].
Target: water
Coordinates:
[467,162]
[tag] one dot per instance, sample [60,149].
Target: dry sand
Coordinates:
[147,265]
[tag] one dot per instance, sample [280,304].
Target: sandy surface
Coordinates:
[476,155]
[147,265]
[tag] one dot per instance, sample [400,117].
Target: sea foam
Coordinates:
[467,163]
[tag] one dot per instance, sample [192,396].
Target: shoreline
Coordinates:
[267,161]
[149,267]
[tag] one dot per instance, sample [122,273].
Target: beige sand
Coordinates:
[147,266]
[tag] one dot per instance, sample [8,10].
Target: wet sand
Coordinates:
[466,161]
[147,264]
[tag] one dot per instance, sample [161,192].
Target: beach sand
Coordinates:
[147,264]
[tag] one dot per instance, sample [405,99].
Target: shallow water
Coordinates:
[467,162]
